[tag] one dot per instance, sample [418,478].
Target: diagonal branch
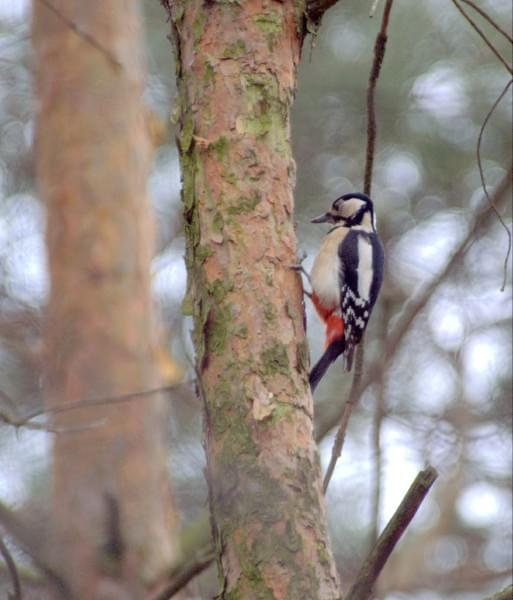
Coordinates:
[483,36]
[347,411]
[505,594]
[185,572]
[24,537]
[487,17]
[13,572]
[11,419]
[87,37]
[374,563]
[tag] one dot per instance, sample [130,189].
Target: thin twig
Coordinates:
[186,572]
[483,36]
[27,576]
[13,571]
[411,310]
[379,53]
[9,418]
[336,451]
[25,539]
[483,183]
[489,19]
[98,402]
[377,424]
[19,422]
[87,37]
[374,563]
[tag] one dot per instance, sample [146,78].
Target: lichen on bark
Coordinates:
[237,77]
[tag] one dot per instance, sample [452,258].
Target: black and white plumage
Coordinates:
[346,278]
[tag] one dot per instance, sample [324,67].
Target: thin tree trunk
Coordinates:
[236,64]
[112,509]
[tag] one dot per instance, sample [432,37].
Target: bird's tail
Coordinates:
[332,352]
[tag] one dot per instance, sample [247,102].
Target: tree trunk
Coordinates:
[112,509]
[236,68]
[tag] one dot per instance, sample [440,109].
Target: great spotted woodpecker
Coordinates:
[346,278]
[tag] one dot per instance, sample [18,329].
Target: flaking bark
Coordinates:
[236,68]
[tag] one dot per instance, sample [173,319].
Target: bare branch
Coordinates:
[374,563]
[489,19]
[379,54]
[13,571]
[11,419]
[505,594]
[483,183]
[27,576]
[16,422]
[483,36]
[347,411]
[185,572]
[87,37]
[98,402]
[24,537]
[411,310]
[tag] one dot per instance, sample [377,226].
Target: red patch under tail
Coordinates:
[334,329]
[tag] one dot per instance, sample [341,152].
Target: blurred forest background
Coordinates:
[445,397]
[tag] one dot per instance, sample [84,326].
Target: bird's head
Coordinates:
[349,210]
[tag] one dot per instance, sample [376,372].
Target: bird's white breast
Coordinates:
[325,275]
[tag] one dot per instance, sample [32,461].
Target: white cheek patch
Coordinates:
[351,207]
[364,268]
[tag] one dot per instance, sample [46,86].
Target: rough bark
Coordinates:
[236,64]
[113,517]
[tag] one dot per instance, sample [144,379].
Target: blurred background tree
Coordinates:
[446,396]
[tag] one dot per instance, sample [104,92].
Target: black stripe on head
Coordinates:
[357,195]
[357,217]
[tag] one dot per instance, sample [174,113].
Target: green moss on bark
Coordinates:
[198,25]
[258,519]
[271,25]
[275,360]
[245,205]
[235,50]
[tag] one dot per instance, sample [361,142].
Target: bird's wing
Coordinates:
[355,292]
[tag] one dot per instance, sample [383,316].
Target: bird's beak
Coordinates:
[325,218]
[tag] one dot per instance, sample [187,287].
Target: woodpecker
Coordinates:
[346,278]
